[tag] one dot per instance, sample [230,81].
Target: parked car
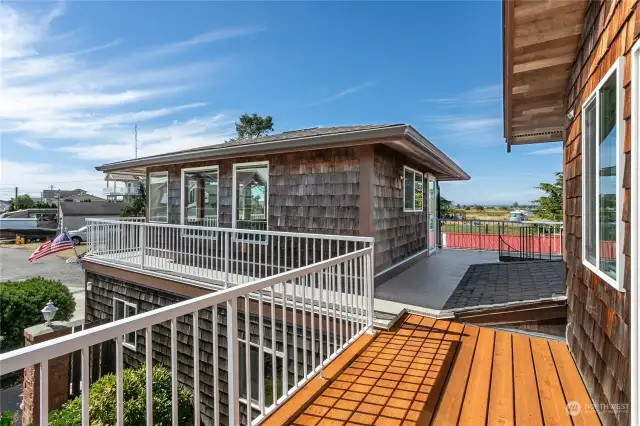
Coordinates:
[79,235]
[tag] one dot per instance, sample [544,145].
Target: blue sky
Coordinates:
[77,76]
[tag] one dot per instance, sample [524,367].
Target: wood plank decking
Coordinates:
[435,372]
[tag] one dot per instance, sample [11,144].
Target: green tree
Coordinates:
[20,202]
[137,208]
[102,401]
[253,126]
[515,205]
[21,303]
[446,208]
[550,206]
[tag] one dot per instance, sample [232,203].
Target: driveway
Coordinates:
[15,266]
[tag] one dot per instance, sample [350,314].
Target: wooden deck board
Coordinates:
[524,381]
[501,397]
[572,385]
[435,372]
[474,410]
[554,406]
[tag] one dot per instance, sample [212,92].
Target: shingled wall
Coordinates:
[398,234]
[599,316]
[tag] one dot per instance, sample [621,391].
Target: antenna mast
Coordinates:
[135,135]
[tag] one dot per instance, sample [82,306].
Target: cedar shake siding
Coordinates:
[599,316]
[309,191]
[398,234]
[99,308]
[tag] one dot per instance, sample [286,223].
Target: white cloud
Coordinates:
[71,101]
[467,129]
[31,178]
[480,95]
[345,92]
[30,144]
[548,151]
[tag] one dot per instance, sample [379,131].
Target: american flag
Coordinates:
[61,242]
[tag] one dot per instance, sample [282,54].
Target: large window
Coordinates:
[200,196]
[413,190]
[602,177]
[251,196]
[121,310]
[158,197]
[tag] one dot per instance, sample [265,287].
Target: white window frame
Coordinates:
[135,334]
[617,283]
[164,173]
[274,353]
[182,191]
[635,229]
[404,192]
[234,200]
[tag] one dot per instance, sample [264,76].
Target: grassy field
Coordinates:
[490,213]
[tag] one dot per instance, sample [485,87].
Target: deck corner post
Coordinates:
[233,358]
[227,249]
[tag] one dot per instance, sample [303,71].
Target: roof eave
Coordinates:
[255,148]
[454,170]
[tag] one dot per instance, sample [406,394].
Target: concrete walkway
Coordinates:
[430,282]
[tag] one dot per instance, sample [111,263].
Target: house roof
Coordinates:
[540,41]
[53,193]
[401,137]
[94,208]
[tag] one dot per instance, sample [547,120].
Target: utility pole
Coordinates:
[16,193]
[135,138]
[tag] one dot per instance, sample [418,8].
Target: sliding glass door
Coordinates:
[432,213]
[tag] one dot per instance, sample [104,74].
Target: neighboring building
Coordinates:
[571,74]
[129,186]
[77,195]
[373,180]
[74,215]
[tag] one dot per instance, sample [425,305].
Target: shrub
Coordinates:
[102,401]
[21,303]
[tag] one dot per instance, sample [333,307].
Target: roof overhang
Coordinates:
[539,41]
[402,138]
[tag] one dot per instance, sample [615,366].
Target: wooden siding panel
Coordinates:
[598,315]
[398,234]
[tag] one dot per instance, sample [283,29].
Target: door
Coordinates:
[432,214]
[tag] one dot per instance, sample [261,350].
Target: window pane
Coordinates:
[408,189]
[607,176]
[158,198]
[251,197]
[119,313]
[418,192]
[268,379]
[201,198]
[589,174]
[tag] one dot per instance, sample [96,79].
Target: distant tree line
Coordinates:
[24,201]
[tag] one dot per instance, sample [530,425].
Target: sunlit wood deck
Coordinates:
[433,372]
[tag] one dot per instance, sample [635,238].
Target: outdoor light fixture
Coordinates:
[49,312]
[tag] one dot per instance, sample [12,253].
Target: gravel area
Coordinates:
[15,266]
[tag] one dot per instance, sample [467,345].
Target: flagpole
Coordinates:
[73,245]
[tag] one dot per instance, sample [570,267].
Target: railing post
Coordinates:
[370,278]
[232,360]
[143,245]
[227,250]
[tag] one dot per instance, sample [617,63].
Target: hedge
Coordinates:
[21,303]
[102,401]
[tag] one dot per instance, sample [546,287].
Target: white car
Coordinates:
[79,235]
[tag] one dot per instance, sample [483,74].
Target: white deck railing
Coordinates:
[335,294]
[211,255]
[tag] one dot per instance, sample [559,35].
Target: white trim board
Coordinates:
[635,239]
